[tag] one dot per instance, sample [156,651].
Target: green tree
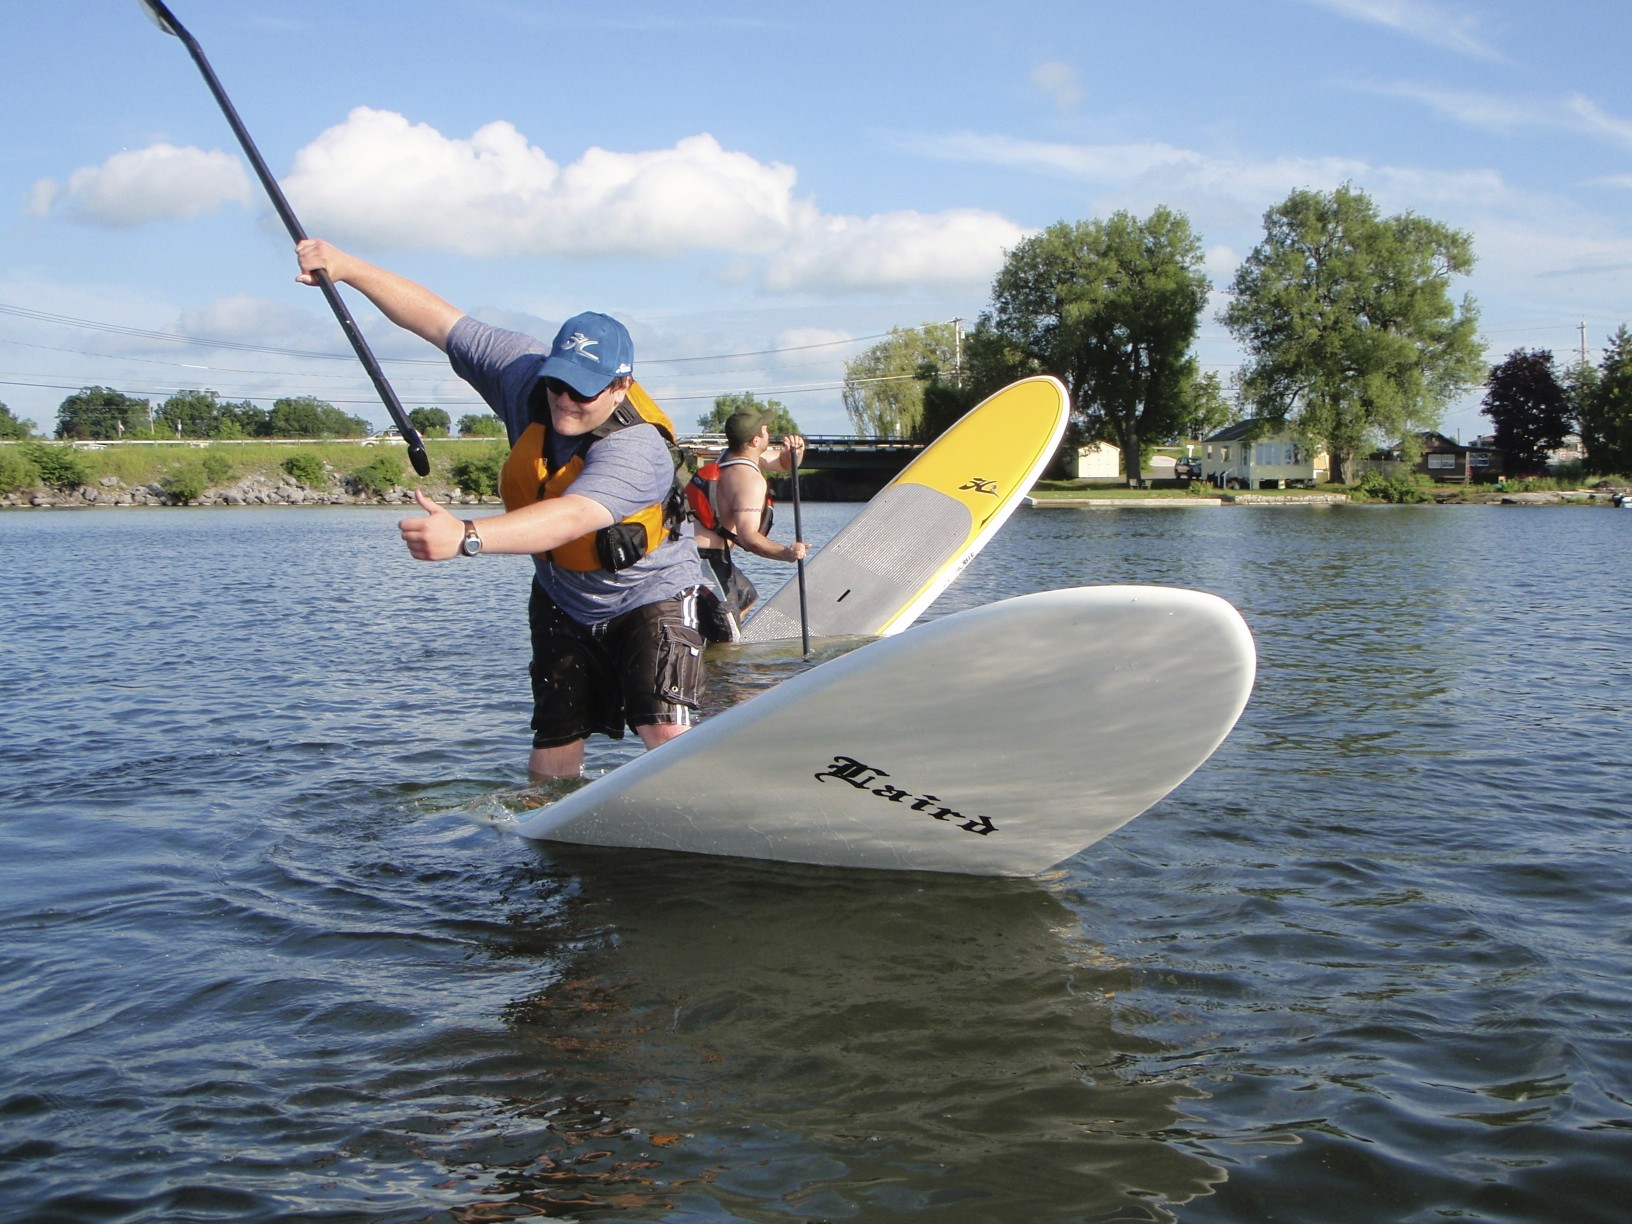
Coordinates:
[307,468]
[1606,409]
[1348,323]
[218,466]
[776,415]
[102,412]
[17,471]
[432,422]
[1206,409]
[186,482]
[1530,409]
[479,474]
[480,425]
[305,416]
[884,386]
[58,466]
[944,405]
[191,414]
[11,428]
[1111,308]
[380,474]
[240,420]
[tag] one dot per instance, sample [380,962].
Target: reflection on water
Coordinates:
[847,1042]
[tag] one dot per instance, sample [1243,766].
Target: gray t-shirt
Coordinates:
[625,471]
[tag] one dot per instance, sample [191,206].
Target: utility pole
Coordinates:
[957,353]
[1583,342]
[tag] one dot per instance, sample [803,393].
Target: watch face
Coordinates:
[472,543]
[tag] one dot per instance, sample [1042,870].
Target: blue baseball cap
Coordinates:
[590,351]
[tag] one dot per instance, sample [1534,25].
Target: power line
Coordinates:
[117,329]
[143,333]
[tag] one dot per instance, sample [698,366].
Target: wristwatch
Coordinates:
[472,543]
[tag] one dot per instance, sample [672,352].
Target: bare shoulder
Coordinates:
[742,486]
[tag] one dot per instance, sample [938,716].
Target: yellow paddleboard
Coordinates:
[907,545]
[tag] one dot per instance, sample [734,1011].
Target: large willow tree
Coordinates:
[884,387]
[1348,323]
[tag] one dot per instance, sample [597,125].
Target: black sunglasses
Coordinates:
[556,387]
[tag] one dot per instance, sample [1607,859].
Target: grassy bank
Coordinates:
[149,463]
[188,471]
[1079,490]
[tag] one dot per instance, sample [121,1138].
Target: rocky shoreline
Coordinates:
[110,492]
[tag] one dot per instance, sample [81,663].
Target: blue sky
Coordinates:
[760,190]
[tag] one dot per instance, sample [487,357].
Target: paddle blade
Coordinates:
[161,17]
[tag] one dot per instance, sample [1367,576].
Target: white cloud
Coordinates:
[1166,174]
[1060,82]
[379,179]
[1429,21]
[158,183]
[1491,112]
[1479,110]
[895,251]
[253,320]
[1594,120]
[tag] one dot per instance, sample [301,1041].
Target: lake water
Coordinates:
[1373,962]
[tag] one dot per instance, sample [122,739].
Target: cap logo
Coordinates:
[580,343]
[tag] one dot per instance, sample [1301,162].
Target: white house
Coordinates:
[1251,455]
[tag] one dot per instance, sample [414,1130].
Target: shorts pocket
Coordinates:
[680,666]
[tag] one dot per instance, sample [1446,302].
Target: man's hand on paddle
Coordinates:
[780,456]
[437,536]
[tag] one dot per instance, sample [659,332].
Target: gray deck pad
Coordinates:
[872,568]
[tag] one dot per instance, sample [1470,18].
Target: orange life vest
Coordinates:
[527,478]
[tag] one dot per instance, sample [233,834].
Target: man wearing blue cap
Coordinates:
[589,493]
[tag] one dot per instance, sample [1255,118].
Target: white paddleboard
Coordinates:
[997,741]
[889,563]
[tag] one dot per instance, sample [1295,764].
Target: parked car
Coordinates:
[1187,469]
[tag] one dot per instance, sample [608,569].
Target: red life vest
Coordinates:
[702,498]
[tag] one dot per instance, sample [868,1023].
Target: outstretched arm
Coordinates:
[409,305]
[532,529]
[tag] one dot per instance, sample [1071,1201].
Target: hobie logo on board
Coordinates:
[979,484]
[867,778]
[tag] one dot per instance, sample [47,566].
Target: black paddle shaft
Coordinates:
[798,538]
[166,21]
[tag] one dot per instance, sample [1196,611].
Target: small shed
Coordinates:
[1096,461]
